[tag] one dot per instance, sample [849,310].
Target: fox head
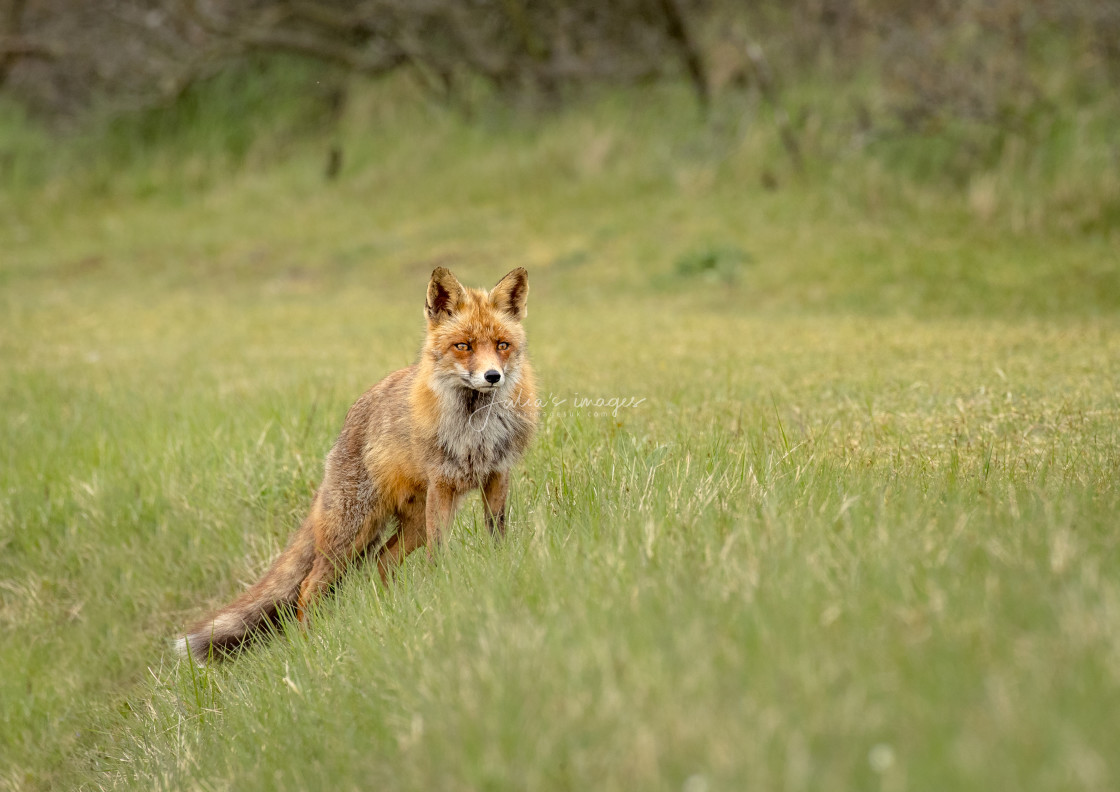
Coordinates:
[475,338]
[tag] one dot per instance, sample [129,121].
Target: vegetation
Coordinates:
[854,526]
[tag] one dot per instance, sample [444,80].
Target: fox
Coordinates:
[410,450]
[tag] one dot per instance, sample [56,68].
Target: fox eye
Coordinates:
[462,346]
[503,345]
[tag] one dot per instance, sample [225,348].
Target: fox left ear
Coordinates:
[511,293]
[444,295]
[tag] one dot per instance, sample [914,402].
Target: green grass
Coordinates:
[860,532]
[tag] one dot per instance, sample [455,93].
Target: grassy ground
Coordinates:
[858,532]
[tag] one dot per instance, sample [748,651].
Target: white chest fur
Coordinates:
[479,433]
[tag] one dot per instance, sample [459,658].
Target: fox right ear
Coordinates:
[511,292]
[444,295]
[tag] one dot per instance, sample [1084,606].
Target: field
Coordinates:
[852,526]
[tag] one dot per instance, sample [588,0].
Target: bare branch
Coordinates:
[16,47]
[689,53]
[13,47]
[363,61]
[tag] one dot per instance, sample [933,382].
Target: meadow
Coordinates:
[854,526]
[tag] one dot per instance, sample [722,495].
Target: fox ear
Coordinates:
[444,295]
[511,293]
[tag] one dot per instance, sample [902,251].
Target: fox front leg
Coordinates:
[494,492]
[442,503]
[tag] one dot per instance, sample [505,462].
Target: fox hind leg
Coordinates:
[411,535]
[339,539]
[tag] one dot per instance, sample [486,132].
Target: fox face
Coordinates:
[480,362]
[475,338]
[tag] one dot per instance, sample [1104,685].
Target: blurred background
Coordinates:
[946,91]
[998,63]
[679,141]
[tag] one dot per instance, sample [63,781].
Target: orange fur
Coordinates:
[409,451]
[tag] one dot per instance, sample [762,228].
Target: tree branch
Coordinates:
[680,34]
[363,61]
[15,47]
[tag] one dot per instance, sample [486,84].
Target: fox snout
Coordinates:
[489,379]
[481,375]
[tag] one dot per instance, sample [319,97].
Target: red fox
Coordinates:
[410,449]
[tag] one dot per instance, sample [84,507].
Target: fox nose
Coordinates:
[493,376]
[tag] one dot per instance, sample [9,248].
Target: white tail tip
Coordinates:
[182,646]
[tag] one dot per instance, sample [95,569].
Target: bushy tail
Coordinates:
[226,631]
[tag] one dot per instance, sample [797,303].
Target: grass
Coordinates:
[859,532]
